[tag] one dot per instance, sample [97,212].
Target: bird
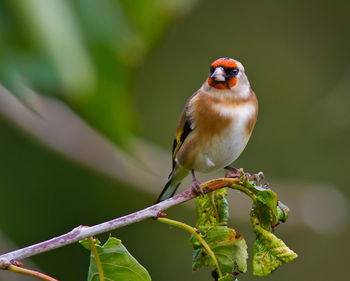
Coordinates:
[215,125]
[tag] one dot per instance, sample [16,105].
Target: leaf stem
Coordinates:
[97,258]
[212,200]
[30,272]
[233,183]
[194,232]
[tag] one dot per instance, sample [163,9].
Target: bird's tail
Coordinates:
[172,184]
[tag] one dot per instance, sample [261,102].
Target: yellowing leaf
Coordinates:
[269,252]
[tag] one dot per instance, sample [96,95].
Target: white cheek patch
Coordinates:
[242,88]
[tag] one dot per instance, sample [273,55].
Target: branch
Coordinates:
[82,232]
[29,272]
[57,127]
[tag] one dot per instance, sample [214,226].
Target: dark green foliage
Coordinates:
[82,52]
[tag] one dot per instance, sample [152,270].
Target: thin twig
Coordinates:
[82,232]
[193,231]
[30,272]
[97,258]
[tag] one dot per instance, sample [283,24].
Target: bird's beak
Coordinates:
[219,75]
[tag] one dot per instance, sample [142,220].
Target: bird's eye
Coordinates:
[212,69]
[233,72]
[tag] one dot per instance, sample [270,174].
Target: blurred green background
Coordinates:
[126,69]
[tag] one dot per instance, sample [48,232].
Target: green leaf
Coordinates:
[228,245]
[227,277]
[267,212]
[212,209]
[283,212]
[269,252]
[118,264]
[229,248]
[265,208]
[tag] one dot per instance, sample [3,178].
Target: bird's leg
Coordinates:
[196,185]
[233,172]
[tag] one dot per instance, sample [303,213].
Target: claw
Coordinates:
[196,186]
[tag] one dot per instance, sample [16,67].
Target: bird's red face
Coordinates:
[223,74]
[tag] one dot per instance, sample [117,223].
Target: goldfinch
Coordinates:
[214,126]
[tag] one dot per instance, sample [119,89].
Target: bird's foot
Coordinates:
[234,172]
[196,187]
